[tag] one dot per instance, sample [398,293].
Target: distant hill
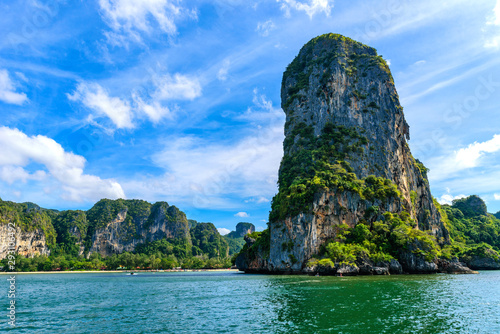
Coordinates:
[235,239]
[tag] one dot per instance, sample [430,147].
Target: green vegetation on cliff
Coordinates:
[69,235]
[378,241]
[235,239]
[334,49]
[71,227]
[29,217]
[316,163]
[259,245]
[207,240]
[473,230]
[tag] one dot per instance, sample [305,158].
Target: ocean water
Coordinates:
[230,302]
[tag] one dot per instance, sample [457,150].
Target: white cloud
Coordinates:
[129,19]
[223,231]
[66,168]
[123,111]
[258,200]
[264,28]
[178,87]
[448,198]
[497,13]
[469,157]
[497,197]
[465,158]
[12,174]
[224,70]
[241,214]
[8,91]
[205,173]
[94,97]
[310,7]
[492,28]
[153,110]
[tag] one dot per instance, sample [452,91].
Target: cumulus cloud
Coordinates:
[153,110]
[223,231]
[129,19]
[66,168]
[177,87]
[8,92]
[497,197]
[264,28]
[124,112]
[241,214]
[96,98]
[465,158]
[448,198]
[310,7]
[470,156]
[205,173]
[12,174]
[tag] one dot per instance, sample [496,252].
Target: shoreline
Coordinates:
[115,271]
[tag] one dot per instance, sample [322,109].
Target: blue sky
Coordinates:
[179,101]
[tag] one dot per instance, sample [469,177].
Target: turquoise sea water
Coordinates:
[229,302]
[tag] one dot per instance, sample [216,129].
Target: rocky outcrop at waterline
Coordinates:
[351,197]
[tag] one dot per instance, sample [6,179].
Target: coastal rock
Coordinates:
[454,266]
[27,244]
[242,229]
[340,99]
[483,263]
[132,226]
[252,262]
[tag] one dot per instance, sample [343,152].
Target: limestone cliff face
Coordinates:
[242,229]
[34,232]
[128,229]
[27,244]
[341,84]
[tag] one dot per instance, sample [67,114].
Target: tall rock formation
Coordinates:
[29,225]
[119,226]
[242,229]
[346,158]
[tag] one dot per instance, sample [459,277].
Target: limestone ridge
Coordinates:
[132,223]
[242,229]
[109,227]
[345,134]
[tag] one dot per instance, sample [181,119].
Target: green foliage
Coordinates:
[325,263]
[71,227]
[29,217]
[261,246]
[180,248]
[234,244]
[472,206]
[316,163]
[423,170]
[206,237]
[65,231]
[380,241]
[321,54]
[470,224]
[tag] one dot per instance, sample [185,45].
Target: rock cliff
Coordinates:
[242,229]
[34,232]
[119,226]
[109,227]
[347,163]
